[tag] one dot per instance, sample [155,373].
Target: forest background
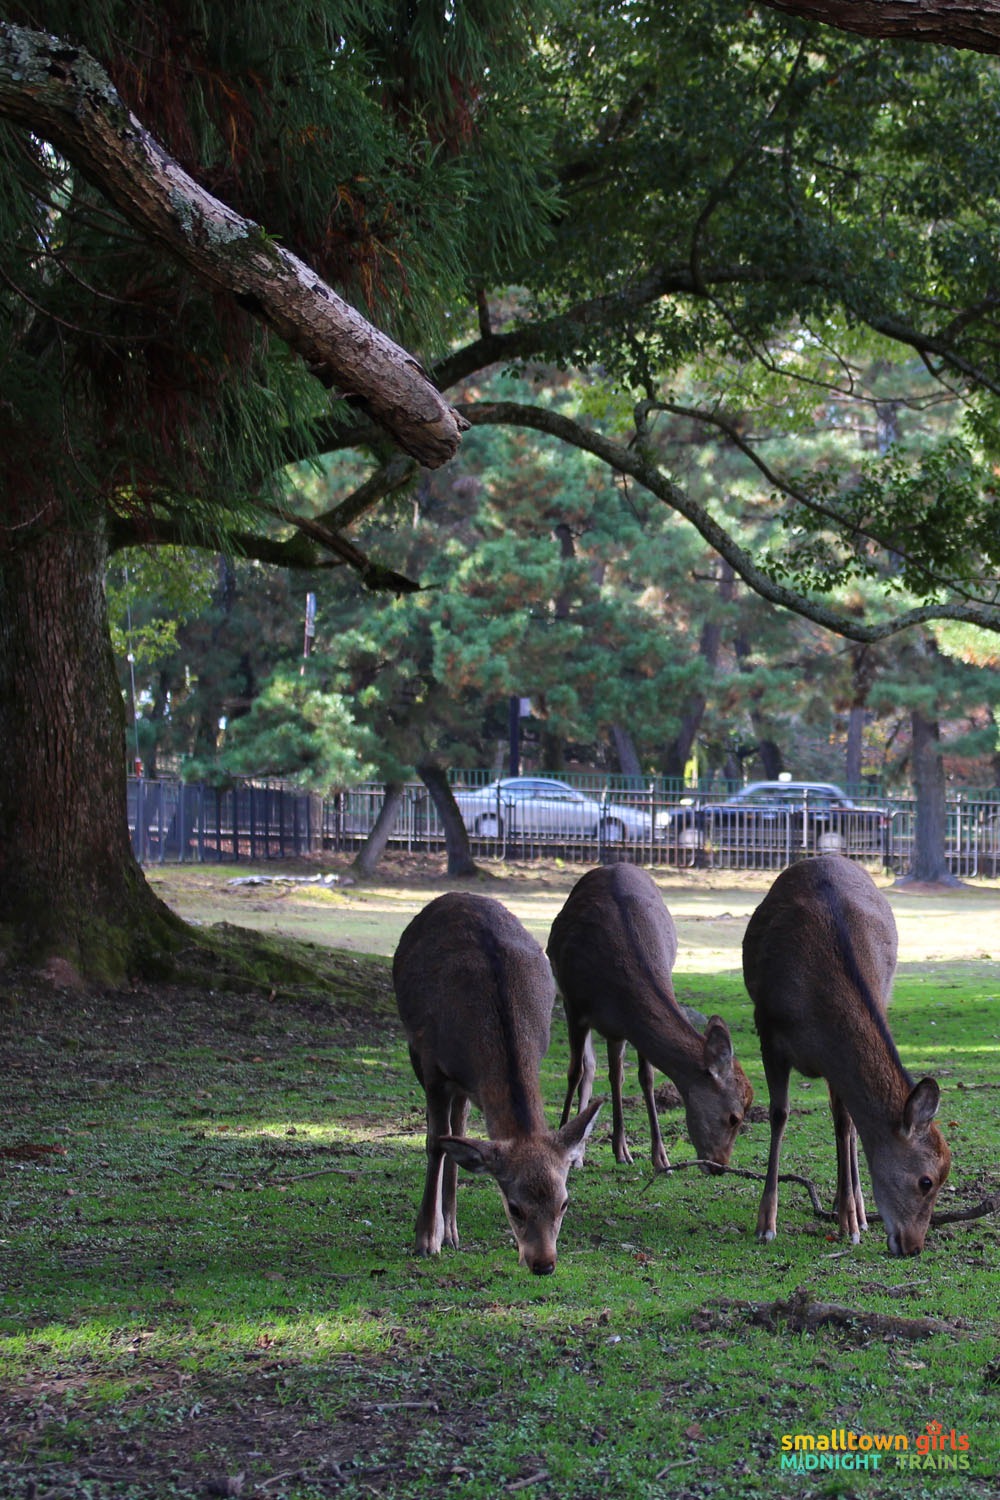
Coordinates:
[714,290]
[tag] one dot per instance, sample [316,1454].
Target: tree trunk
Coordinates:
[855,744]
[70,887]
[862,676]
[928,863]
[371,851]
[678,751]
[456,836]
[629,763]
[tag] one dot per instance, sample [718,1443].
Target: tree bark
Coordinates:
[365,861]
[456,835]
[863,669]
[973,26]
[855,745]
[928,864]
[678,751]
[70,887]
[629,763]
[60,93]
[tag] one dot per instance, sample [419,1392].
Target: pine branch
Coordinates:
[61,93]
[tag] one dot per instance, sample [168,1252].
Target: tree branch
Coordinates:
[956,23]
[61,93]
[631,462]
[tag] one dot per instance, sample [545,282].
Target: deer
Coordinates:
[819,954]
[612,949]
[475,994]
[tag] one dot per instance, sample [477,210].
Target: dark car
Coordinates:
[774,819]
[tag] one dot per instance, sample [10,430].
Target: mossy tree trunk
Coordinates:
[69,884]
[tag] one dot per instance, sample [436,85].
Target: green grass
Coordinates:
[215,1279]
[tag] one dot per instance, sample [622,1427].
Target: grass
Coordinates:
[208,1286]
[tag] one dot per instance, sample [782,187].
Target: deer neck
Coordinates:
[512,1108]
[874,1094]
[663,1035]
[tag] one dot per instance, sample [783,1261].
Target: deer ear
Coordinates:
[718,1049]
[572,1138]
[922,1105]
[474,1156]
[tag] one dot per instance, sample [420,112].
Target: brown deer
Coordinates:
[612,948]
[818,958]
[475,994]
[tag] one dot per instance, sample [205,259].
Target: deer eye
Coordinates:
[563,1207]
[516,1211]
[925,1184]
[735,1120]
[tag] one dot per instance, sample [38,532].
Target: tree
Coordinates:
[150,406]
[815,205]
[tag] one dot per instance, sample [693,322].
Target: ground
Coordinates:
[161,1137]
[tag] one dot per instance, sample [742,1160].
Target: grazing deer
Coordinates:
[475,994]
[612,948]
[818,958]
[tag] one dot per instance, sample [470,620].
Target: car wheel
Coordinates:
[691,838]
[611,831]
[489,826]
[831,842]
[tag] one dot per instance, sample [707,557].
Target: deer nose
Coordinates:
[543,1267]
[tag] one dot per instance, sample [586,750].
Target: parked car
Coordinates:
[537,807]
[778,817]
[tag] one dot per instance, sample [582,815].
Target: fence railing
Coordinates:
[653,824]
[169,820]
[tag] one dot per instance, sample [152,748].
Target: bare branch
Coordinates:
[632,462]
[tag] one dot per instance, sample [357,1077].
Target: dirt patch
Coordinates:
[251,1437]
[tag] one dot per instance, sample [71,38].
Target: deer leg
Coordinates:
[777,1074]
[582,1066]
[616,1072]
[660,1160]
[850,1203]
[430,1220]
[459,1118]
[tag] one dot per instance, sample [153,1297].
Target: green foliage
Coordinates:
[296,731]
[150,594]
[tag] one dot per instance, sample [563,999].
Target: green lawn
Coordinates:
[207,1211]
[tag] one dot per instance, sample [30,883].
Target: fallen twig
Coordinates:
[989,1205]
[682,1463]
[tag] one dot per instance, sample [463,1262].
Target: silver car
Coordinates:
[537,807]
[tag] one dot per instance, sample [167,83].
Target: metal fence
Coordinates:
[580,821]
[169,820]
